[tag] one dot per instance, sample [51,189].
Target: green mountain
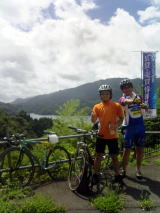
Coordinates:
[86,93]
[11,109]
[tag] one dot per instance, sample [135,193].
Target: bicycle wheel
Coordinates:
[104,177]
[106,162]
[77,169]
[107,169]
[16,166]
[58,163]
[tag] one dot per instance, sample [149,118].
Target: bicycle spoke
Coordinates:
[107,169]
[77,169]
[76,172]
[105,177]
[58,163]
[16,166]
[9,164]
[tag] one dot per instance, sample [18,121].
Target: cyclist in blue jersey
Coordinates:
[134,125]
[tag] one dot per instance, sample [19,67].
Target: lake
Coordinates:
[37,116]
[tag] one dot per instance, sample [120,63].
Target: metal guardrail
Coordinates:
[152,132]
[63,137]
[37,140]
[152,143]
[152,140]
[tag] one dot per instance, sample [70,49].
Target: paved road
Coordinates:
[133,191]
[61,194]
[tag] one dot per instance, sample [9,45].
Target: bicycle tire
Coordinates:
[16,166]
[107,169]
[106,162]
[58,163]
[77,169]
[105,176]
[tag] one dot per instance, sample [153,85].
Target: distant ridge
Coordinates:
[9,108]
[86,93]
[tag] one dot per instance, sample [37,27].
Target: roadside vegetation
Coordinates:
[110,201]
[19,200]
[146,203]
[157,161]
[23,200]
[22,123]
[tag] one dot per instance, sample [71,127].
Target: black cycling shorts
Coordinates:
[111,143]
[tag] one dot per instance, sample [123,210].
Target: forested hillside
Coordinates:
[23,124]
[87,94]
[10,108]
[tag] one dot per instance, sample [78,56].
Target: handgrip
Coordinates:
[77,130]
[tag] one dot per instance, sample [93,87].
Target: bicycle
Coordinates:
[7,142]
[81,172]
[18,163]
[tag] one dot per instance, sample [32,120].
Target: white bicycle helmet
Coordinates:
[105,87]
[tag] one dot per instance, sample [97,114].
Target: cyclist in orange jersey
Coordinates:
[110,117]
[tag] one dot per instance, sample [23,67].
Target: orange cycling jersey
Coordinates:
[107,112]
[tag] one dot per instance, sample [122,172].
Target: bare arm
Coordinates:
[128,102]
[119,121]
[93,117]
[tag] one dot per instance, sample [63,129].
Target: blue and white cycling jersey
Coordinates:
[133,113]
[133,122]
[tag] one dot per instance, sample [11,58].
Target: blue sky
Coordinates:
[51,45]
[107,8]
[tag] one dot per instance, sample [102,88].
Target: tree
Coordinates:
[22,123]
[70,114]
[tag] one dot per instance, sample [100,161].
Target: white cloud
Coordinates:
[150,14]
[66,51]
[23,13]
[69,9]
[155,2]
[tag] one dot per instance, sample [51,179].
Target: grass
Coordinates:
[147,204]
[157,162]
[40,204]
[146,161]
[13,192]
[110,201]
[24,200]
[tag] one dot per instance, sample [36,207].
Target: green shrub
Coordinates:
[13,192]
[147,204]
[111,202]
[157,161]
[9,207]
[40,204]
[24,200]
